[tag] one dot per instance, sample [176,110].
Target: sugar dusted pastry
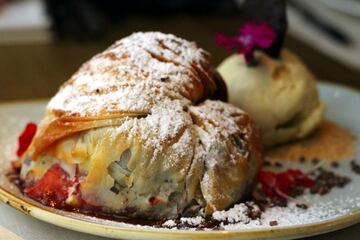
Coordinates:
[278,92]
[132,133]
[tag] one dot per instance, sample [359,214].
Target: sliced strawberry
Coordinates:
[281,183]
[285,181]
[268,182]
[153,201]
[306,182]
[52,188]
[25,138]
[267,178]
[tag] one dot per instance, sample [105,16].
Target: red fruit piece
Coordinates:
[268,181]
[302,180]
[285,181]
[25,138]
[52,188]
[267,178]
[306,182]
[281,183]
[153,201]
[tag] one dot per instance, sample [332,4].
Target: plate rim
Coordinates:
[45,214]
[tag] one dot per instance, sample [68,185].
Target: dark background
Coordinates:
[36,71]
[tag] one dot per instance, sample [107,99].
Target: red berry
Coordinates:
[52,188]
[283,182]
[25,138]
[267,178]
[153,201]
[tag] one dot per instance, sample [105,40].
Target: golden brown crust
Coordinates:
[146,96]
[52,130]
[119,83]
[233,153]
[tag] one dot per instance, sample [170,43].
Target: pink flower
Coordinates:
[251,36]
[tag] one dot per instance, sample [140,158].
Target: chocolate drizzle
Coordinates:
[252,210]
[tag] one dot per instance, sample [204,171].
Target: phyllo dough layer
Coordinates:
[130,133]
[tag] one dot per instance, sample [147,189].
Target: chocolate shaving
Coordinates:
[273,223]
[326,180]
[335,164]
[302,159]
[278,164]
[296,191]
[267,163]
[355,167]
[315,161]
[251,212]
[164,79]
[302,206]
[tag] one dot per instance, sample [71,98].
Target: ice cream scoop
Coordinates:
[279,94]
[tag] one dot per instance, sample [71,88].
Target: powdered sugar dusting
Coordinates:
[292,215]
[134,74]
[237,218]
[236,214]
[284,216]
[194,221]
[169,223]
[166,122]
[223,116]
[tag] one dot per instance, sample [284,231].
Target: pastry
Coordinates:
[140,131]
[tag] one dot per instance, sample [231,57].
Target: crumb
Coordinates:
[253,212]
[355,167]
[315,161]
[326,180]
[164,79]
[277,164]
[302,206]
[267,163]
[278,202]
[335,164]
[273,223]
[296,191]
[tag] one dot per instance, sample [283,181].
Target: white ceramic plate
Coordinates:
[349,7]
[342,107]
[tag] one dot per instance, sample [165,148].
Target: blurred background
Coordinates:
[43,42]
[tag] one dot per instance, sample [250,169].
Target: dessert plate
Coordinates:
[349,7]
[338,209]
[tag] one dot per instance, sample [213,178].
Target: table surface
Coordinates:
[36,71]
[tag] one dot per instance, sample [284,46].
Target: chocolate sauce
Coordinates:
[98,213]
[324,179]
[13,176]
